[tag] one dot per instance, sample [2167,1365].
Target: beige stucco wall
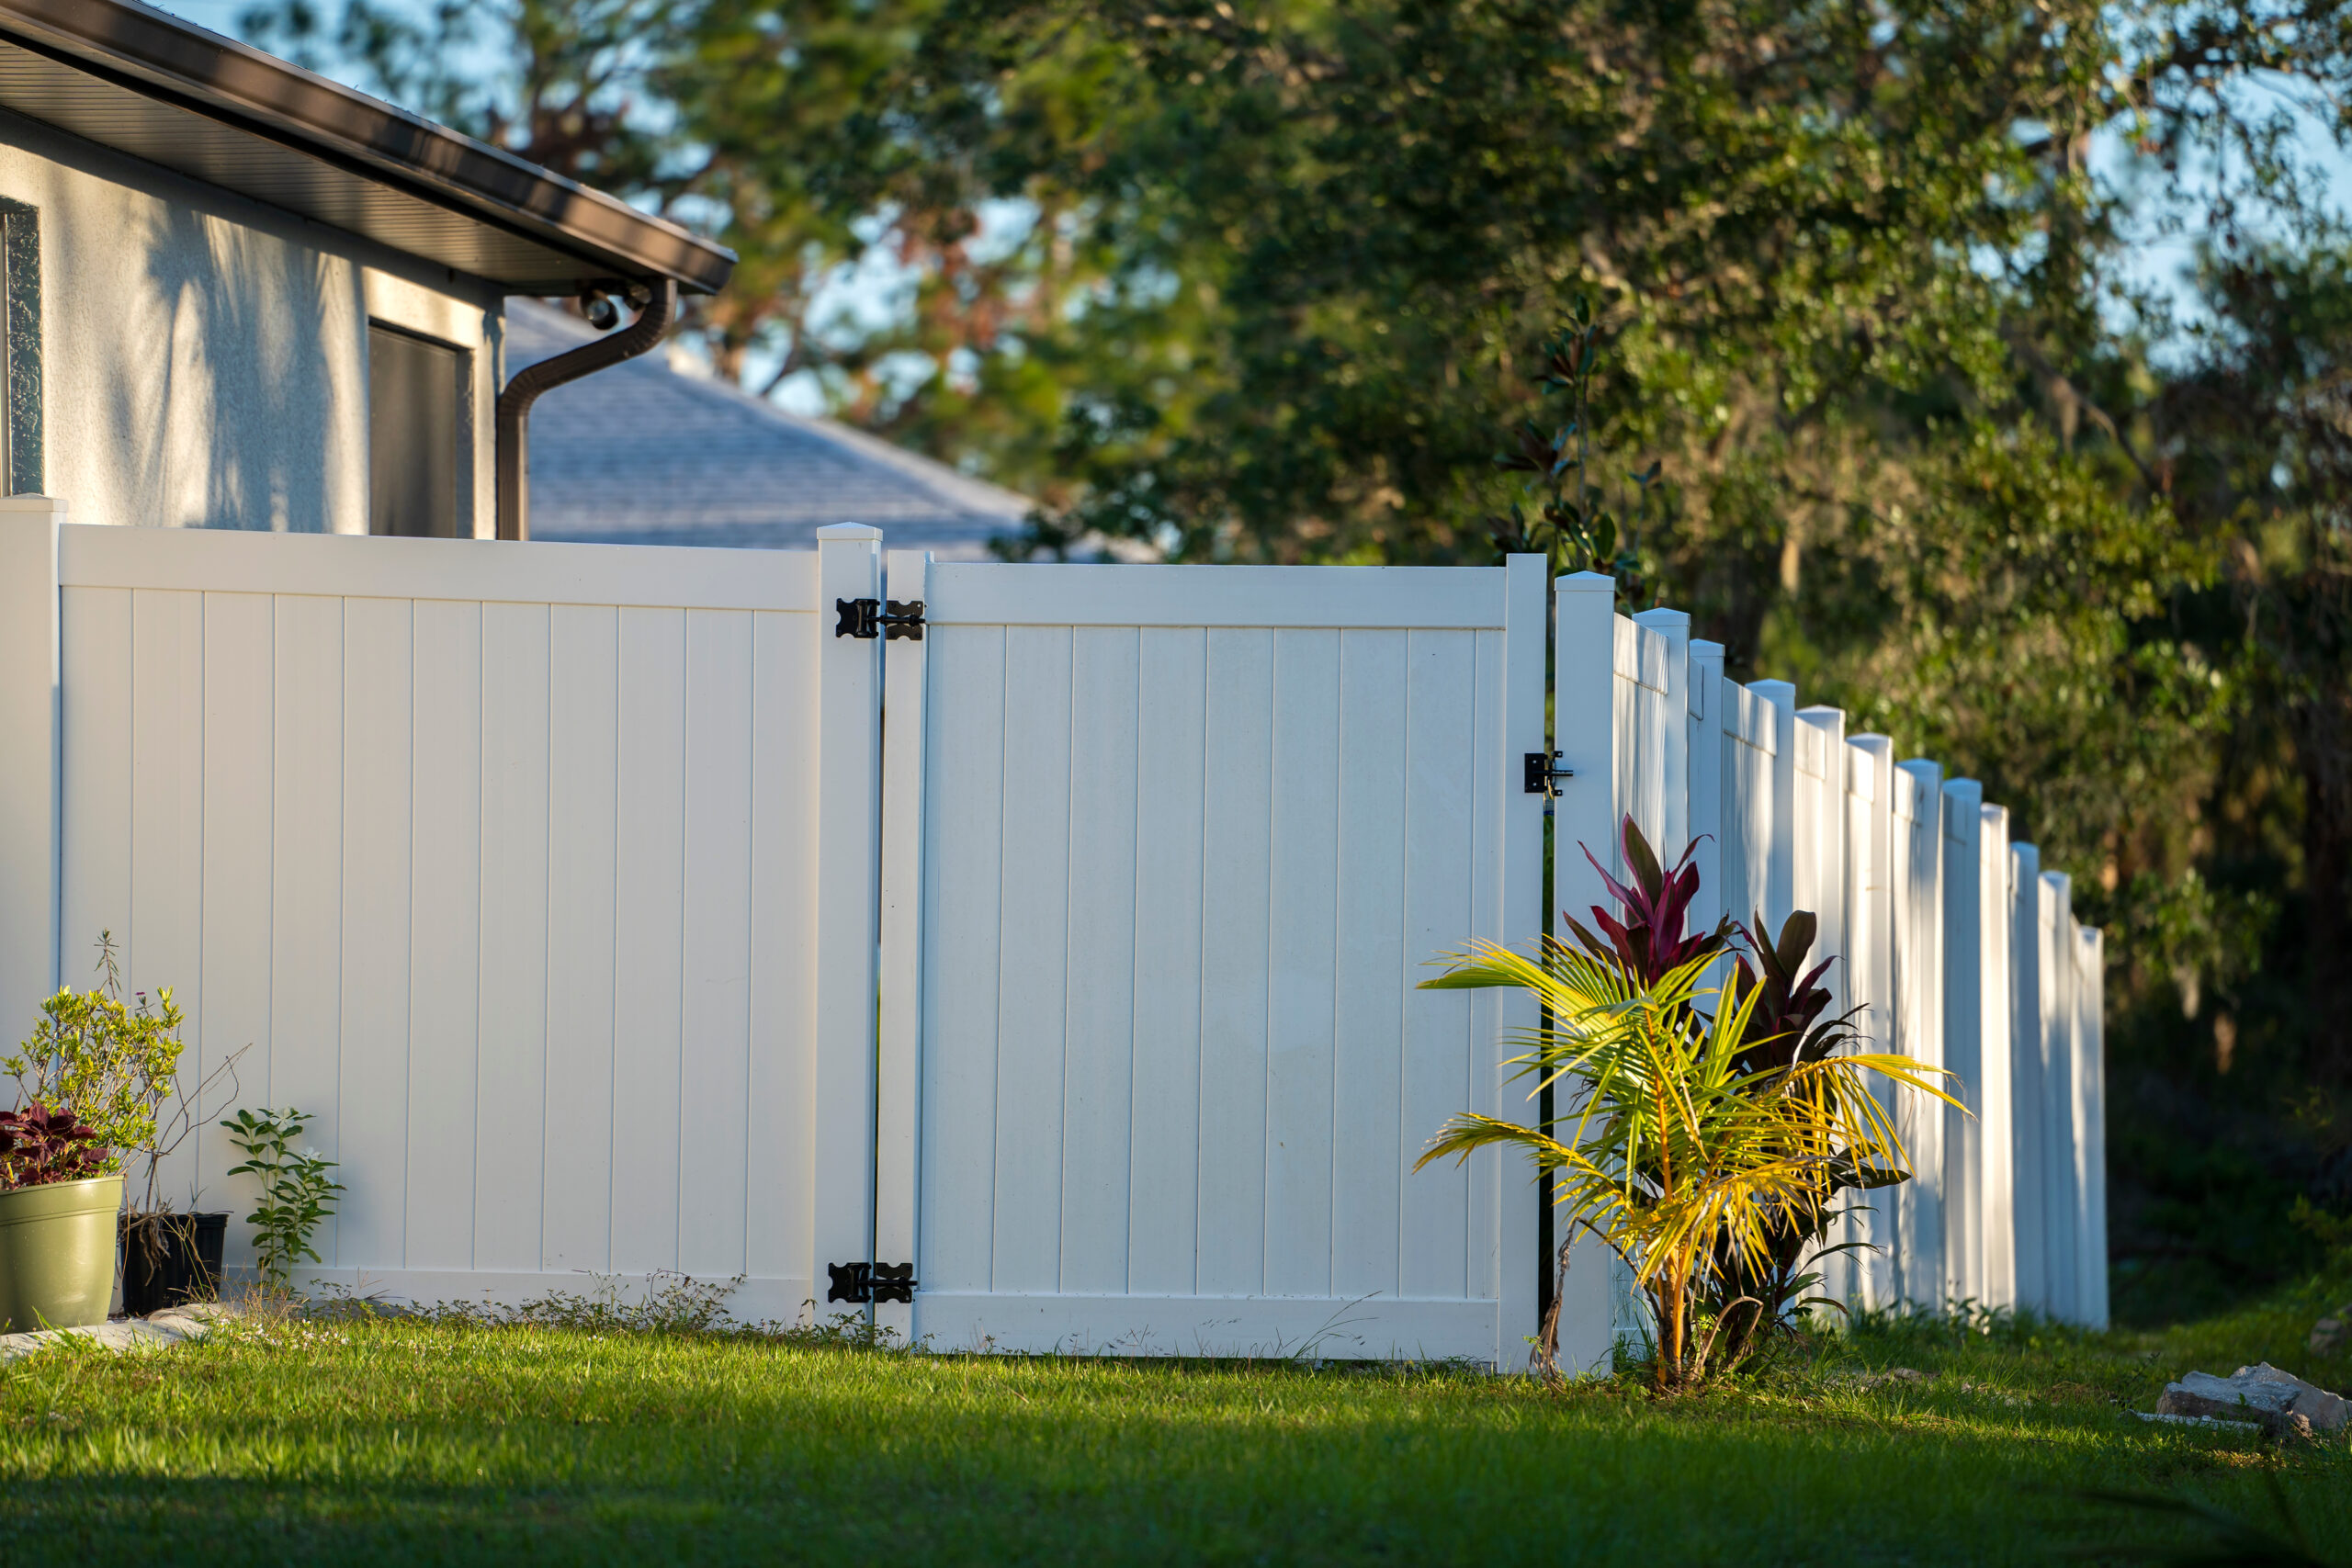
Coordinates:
[204,357]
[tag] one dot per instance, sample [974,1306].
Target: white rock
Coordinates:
[2281,1401]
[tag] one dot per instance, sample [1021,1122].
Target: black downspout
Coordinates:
[514,402]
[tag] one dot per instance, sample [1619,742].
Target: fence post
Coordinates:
[1705,810]
[849,728]
[1870,967]
[2058,1144]
[1674,748]
[1779,861]
[2027,1178]
[898,1113]
[1919,997]
[30,758]
[1521,1264]
[1963,974]
[1583,732]
[2090,1045]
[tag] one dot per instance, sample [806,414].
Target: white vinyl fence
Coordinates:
[1953,943]
[500,860]
[1027,953]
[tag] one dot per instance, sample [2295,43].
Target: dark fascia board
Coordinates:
[200,70]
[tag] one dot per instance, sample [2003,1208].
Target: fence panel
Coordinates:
[2028,1163]
[2090,1125]
[1750,762]
[1189,836]
[1917,899]
[2059,1211]
[501,859]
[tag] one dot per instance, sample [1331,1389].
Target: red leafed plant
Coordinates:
[1650,942]
[38,1146]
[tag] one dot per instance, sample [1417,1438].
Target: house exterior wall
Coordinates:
[204,356]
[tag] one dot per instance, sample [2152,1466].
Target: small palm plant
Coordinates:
[1689,1153]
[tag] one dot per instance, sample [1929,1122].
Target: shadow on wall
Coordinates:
[231,409]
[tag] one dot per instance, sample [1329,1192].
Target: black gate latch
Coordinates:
[1541,773]
[869,618]
[867,1282]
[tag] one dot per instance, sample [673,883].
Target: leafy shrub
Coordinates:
[296,1194]
[114,1066]
[1705,1138]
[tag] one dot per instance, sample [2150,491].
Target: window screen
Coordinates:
[414,390]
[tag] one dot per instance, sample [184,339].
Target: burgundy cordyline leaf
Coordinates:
[1650,940]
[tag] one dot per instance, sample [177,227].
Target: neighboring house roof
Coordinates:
[647,454]
[135,79]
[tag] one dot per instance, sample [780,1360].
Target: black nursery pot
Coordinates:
[177,1260]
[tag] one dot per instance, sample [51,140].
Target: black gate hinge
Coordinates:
[1540,773]
[867,1283]
[870,618]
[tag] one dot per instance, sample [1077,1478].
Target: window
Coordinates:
[416,390]
[20,448]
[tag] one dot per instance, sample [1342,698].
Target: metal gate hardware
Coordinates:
[867,1283]
[1540,773]
[869,618]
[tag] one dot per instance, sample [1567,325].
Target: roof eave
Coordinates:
[223,80]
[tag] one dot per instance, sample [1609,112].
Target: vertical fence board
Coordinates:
[379,678]
[964,805]
[714,1135]
[1302,932]
[1097,1112]
[897,1090]
[1998,1136]
[445,944]
[1919,989]
[1705,810]
[1441,776]
[1237,853]
[2091,1044]
[2058,1209]
[1369,1140]
[2029,1179]
[785,912]
[1032,1038]
[511,1076]
[93,895]
[584,836]
[306,871]
[1964,990]
[649,942]
[1584,733]
[1171,794]
[239,672]
[1870,964]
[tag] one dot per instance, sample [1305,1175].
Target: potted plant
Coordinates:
[57,1221]
[114,1066]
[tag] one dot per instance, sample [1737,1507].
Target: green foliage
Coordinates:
[297,1195]
[1695,1152]
[1574,528]
[110,1064]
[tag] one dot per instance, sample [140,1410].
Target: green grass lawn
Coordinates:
[404,1441]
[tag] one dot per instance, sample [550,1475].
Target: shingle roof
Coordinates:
[643,453]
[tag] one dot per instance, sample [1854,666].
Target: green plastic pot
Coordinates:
[57,1254]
